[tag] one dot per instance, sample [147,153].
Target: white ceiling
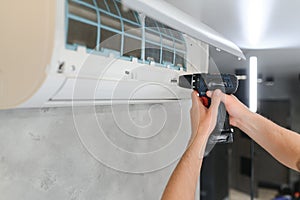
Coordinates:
[268,29]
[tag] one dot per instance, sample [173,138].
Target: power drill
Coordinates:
[202,82]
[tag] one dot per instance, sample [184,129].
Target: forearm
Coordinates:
[183,181]
[281,143]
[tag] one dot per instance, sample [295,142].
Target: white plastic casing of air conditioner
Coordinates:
[79,77]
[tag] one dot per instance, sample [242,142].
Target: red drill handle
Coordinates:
[205,101]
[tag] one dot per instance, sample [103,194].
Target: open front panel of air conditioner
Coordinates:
[93,51]
[104,53]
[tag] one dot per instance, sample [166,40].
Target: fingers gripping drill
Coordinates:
[202,82]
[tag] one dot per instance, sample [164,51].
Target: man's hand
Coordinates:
[236,109]
[204,119]
[281,143]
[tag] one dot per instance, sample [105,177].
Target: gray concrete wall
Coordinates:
[120,152]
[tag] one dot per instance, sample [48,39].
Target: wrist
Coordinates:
[245,120]
[202,135]
[203,130]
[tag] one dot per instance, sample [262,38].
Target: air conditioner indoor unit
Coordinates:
[78,52]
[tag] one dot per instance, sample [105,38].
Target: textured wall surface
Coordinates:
[60,153]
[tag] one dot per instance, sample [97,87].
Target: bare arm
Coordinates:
[183,181]
[281,143]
